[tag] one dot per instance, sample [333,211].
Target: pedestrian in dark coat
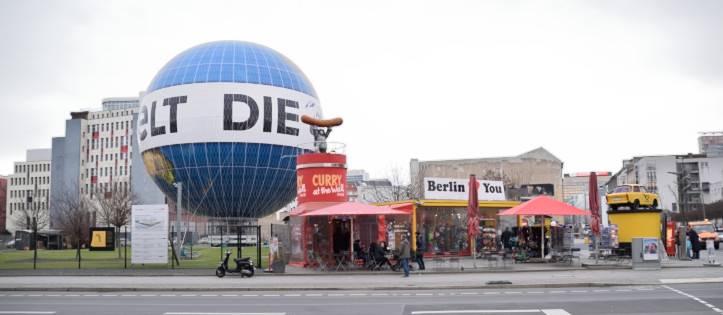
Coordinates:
[419,255]
[694,242]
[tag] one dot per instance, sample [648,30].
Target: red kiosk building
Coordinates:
[325,224]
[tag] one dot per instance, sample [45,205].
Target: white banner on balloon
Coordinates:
[149,231]
[225,112]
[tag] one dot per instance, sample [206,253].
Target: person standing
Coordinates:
[404,255]
[694,242]
[419,255]
[506,236]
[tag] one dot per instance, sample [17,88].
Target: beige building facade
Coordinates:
[537,172]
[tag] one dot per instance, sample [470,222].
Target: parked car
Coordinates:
[632,196]
[10,244]
[706,231]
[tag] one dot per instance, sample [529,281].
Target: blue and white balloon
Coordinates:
[223,118]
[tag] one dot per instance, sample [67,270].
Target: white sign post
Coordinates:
[457,189]
[149,228]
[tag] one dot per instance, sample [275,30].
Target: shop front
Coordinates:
[442,225]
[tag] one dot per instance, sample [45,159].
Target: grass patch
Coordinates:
[205,258]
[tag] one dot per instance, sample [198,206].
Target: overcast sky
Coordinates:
[594,82]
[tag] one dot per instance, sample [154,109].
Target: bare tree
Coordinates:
[72,215]
[115,210]
[29,211]
[392,188]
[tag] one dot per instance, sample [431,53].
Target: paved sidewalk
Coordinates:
[364,282]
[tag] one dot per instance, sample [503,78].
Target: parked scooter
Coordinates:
[244,266]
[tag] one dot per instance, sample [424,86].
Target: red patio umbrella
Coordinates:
[594,199]
[473,213]
[381,228]
[544,205]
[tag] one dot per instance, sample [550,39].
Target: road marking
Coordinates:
[358,294]
[624,290]
[380,294]
[490,293]
[469,293]
[110,294]
[53,295]
[121,295]
[207,313]
[2,294]
[235,295]
[545,311]
[579,291]
[691,280]
[313,294]
[209,294]
[558,291]
[712,307]
[513,292]
[19,295]
[188,295]
[26,312]
[535,292]
[423,294]
[335,294]
[74,295]
[90,294]
[602,290]
[148,295]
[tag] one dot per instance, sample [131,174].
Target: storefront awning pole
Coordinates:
[542,240]
[351,241]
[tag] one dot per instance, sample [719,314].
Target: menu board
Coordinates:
[149,225]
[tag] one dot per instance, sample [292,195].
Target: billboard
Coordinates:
[457,189]
[149,225]
[102,238]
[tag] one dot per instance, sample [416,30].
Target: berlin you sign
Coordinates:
[457,189]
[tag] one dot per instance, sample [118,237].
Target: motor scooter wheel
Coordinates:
[249,273]
[220,272]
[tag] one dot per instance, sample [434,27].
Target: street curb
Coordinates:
[209,272]
[391,288]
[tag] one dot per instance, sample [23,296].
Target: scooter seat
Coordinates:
[245,259]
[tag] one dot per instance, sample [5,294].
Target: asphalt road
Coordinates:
[658,299]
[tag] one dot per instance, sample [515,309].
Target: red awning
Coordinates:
[544,205]
[406,207]
[311,206]
[352,208]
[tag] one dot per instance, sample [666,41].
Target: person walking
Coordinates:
[419,255]
[694,242]
[404,255]
[506,236]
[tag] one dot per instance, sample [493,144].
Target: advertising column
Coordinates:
[321,177]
